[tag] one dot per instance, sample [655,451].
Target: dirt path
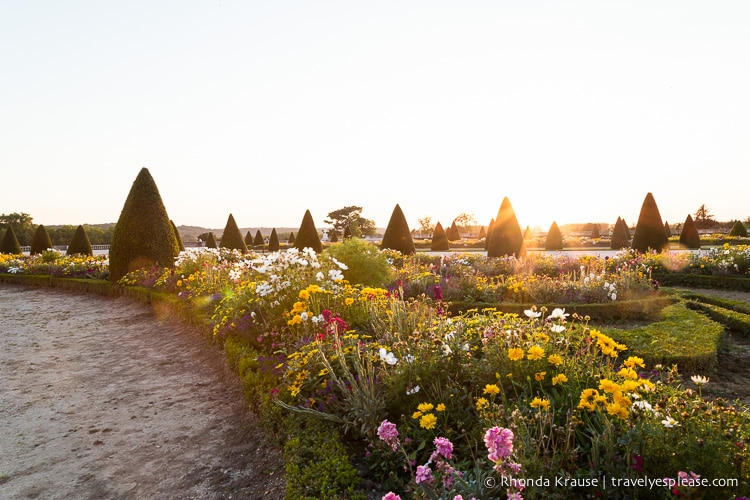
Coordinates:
[99,399]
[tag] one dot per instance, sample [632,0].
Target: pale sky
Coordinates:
[574,110]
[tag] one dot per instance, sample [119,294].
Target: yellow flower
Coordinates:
[349,301]
[481,404]
[589,399]
[608,386]
[425,407]
[440,407]
[630,385]
[535,352]
[416,415]
[515,353]
[296,320]
[559,379]
[539,376]
[634,361]
[428,421]
[616,410]
[323,372]
[304,294]
[491,389]
[628,373]
[540,403]
[555,359]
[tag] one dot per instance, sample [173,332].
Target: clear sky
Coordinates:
[574,110]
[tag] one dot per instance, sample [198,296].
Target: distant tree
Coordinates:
[554,238]
[620,237]
[347,233]
[80,243]
[689,237]
[273,241]
[307,236]
[333,238]
[23,226]
[350,217]
[9,244]
[465,220]
[397,235]
[649,231]
[180,244]
[258,241]
[440,241]
[210,240]
[425,225]
[232,236]
[595,231]
[143,236]
[41,241]
[738,229]
[452,233]
[505,237]
[703,218]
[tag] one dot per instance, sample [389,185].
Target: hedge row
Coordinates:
[703,281]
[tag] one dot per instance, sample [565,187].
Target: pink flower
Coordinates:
[443,447]
[387,432]
[499,443]
[424,474]
[391,496]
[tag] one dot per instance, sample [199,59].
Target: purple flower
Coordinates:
[443,447]
[424,475]
[391,496]
[387,432]
[499,443]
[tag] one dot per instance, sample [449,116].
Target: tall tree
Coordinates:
[349,217]
[703,218]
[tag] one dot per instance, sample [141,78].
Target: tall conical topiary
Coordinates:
[689,237]
[307,236]
[452,233]
[248,239]
[595,231]
[41,241]
[180,244]
[506,237]
[738,229]
[258,240]
[211,240]
[554,238]
[291,239]
[333,238]
[232,236]
[273,241]
[347,233]
[482,233]
[620,237]
[10,243]
[397,235]
[80,243]
[143,236]
[440,241]
[489,233]
[667,230]
[649,231]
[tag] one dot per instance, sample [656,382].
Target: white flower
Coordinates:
[409,358]
[642,405]
[387,357]
[699,380]
[413,390]
[669,422]
[304,316]
[532,314]
[335,275]
[557,328]
[614,296]
[446,350]
[558,313]
[320,276]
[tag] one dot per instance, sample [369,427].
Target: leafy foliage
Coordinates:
[365,265]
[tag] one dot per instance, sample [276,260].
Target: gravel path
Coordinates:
[99,398]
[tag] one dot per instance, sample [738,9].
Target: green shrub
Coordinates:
[211,240]
[734,321]
[397,235]
[554,238]
[80,243]
[10,242]
[143,236]
[290,241]
[248,239]
[440,241]
[649,231]
[273,241]
[505,237]
[258,241]
[307,236]
[366,265]
[452,233]
[738,229]
[620,235]
[232,237]
[489,233]
[40,241]
[180,244]
[667,230]
[689,237]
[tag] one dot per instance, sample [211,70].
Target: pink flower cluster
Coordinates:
[499,443]
[388,432]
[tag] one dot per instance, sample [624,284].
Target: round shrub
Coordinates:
[10,243]
[554,238]
[41,241]
[689,237]
[505,237]
[440,241]
[366,265]
[80,243]
[307,236]
[232,237]
[143,236]
[397,235]
[649,231]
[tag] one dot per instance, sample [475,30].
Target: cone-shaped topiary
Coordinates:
[649,231]
[334,238]
[620,238]
[667,230]
[291,239]
[143,236]
[506,237]
[440,241]
[452,233]
[211,240]
[10,242]
[307,236]
[273,241]
[80,243]
[554,238]
[347,233]
[249,239]
[689,237]
[595,231]
[738,229]
[232,236]
[489,233]
[258,240]
[41,241]
[180,244]
[482,233]
[397,235]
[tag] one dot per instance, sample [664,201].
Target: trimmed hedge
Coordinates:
[41,241]
[649,231]
[554,239]
[10,244]
[307,236]
[439,241]
[703,281]
[505,237]
[273,241]
[689,237]
[80,243]
[232,237]
[397,235]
